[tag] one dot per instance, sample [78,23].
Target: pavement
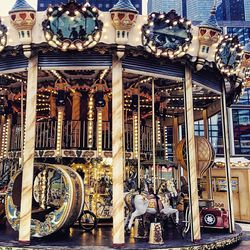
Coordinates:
[245,243]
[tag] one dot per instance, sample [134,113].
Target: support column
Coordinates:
[90,118]
[191,156]
[29,152]
[225,133]
[99,131]
[153,134]
[209,171]
[175,142]
[135,134]
[60,115]
[7,136]
[139,139]
[2,135]
[231,128]
[118,152]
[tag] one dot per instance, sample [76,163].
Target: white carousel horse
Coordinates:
[139,204]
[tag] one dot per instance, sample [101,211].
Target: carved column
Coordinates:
[52,105]
[191,156]
[29,151]
[118,152]
[76,106]
[76,117]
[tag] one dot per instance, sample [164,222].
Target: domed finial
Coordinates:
[21,5]
[23,18]
[123,16]
[211,22]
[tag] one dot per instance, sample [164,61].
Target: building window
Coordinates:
[241,122]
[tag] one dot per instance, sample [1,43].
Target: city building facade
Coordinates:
[104,5]
[165,6]
[233,18]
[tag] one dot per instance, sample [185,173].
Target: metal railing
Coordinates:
[46,135]
[74,136]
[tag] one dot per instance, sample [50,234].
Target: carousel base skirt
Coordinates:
[101,239]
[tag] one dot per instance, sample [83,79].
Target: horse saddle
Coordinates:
[155,202]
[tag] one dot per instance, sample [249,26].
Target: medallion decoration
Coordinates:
[167,34]
[228,55]
[57,193]
[72,26]
[3,36]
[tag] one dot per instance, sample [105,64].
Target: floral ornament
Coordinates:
[3,36]
[72,26]
[167,34]
[228,55]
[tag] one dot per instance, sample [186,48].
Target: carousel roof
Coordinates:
[124,5]
[211,22]
[21,5]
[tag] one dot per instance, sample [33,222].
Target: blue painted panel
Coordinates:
[152,65]
[69,59]
[17,63]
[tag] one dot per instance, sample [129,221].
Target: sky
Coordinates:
[6,5]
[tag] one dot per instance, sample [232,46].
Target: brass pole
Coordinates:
[226,144]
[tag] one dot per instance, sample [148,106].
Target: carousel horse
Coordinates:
[144,202]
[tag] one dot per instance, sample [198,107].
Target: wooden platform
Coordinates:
[101,239]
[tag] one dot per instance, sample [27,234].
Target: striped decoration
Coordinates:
[51,60]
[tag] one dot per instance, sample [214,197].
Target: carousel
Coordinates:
[87,100]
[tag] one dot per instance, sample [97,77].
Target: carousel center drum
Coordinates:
[58,199]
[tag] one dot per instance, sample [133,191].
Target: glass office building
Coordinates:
[165,6]
[104,5]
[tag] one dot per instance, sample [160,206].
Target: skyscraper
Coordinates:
[247,10]
[104,5]
[233,10]
[165,6]
[198,10]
